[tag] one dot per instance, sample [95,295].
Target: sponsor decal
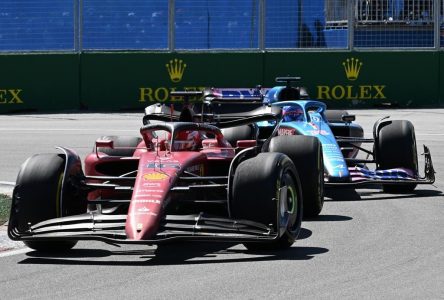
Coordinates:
[155,176]
[151,184]
[143,209]
[315,118]
[163,165]
[176,68]
[150,213]
[352,67]
[167,158]
[243,93]
[148,191]
[10,96]
[149,195]
[318,132]
[147,201]
[286,131]
[162,94]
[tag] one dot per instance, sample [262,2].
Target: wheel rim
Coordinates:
[288,202]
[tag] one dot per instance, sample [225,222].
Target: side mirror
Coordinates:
[246,143]
[105,144]
[348,118]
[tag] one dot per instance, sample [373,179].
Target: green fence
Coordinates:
[122,81]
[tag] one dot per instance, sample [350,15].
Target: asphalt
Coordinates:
[365,244]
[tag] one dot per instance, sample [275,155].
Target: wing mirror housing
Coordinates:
[348,118]
[105,144]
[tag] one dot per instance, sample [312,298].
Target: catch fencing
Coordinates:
[220,25]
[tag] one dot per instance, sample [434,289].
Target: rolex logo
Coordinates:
[176,68]
[352,67]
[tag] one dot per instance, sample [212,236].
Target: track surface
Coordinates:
[365,244]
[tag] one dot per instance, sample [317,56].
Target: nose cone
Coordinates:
[141,228]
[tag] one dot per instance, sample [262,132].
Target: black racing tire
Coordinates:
[306,154]
[255,190]
[335,116]
[36,198]
[120,141]
[396,148]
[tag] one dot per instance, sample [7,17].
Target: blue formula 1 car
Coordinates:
[394,153]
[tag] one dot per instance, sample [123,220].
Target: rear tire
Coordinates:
[306,154]
[396,148]
[256,187]
[129,142]
[37,197]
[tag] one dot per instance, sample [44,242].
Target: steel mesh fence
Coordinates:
[394,23]
[168,25]
[217,24]
[117,24]
[28,25]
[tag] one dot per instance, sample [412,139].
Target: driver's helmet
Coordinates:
[292,113]
[187,140]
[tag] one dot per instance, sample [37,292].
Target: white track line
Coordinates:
[65,129]
[14,252]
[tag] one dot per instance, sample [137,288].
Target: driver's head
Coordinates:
[187,140]
[292,113]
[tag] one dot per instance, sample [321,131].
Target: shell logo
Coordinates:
[155,176]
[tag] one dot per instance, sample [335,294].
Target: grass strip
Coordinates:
[5,207]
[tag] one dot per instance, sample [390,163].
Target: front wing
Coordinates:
[364,176]
[111,229]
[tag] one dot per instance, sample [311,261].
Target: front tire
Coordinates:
[396,148]
[37,197]
[306,154]
[256,197]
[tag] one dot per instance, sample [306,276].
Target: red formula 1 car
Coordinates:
[178,181]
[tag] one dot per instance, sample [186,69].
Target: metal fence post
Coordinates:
[171,25]
[350,24]
[78,24]
[437,23]
[262,25]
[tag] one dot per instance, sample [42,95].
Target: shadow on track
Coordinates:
[348,194]
[174,254]
[328,218]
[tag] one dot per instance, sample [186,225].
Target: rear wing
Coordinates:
[223,107]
